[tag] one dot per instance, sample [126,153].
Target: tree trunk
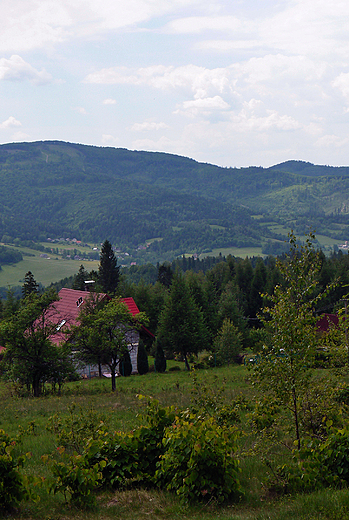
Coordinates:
[113,380]
[295,413]
[36,388]
[186,363]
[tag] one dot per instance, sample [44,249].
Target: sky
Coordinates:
[228,82]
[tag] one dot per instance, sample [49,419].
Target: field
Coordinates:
[45,270]
[121,412]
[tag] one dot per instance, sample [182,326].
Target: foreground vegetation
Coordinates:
[38,422]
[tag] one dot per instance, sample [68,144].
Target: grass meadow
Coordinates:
[45,270]
[121,411]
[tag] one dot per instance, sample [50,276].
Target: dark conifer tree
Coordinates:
[142,359]
[79,279]
[181,324]
[160,360]
[165,274]
[108,272]
[30,285]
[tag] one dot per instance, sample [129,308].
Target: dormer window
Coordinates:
[79,302]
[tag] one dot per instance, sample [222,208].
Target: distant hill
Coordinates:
[57,189]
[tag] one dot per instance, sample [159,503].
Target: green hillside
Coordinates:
[161,205]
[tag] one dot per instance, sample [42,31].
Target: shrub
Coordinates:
[118,453]
[199,461]
[73,430]
[132,456]
[75,478]
[13,484]
[149,438]
[333,454]
[316,464]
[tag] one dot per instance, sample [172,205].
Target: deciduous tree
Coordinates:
[284,368]
[103,336]
[30,355]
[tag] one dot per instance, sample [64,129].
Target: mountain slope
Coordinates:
[62,189]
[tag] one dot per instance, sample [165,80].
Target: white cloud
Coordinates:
[196,79]
[109,140]
[148,125]
[16,69]
[330,141]
[203,106]
[109,101]
[309,27]
[226,45]
[30,24]
[275,67]
[10,123]
[342,83]
[197,24]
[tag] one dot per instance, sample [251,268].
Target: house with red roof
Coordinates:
[65,314]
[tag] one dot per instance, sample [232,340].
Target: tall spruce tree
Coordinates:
[108,271]
[181,325]
[30,285]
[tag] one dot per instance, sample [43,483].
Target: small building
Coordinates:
[65,314]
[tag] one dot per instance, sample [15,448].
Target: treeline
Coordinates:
[9,256]
[225,289]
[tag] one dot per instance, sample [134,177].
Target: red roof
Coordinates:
[131,304]
[65,312]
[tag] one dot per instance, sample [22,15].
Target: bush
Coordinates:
[119,453]
[73,430]
[75,478]
[132,456]
[199,461]
[13,484]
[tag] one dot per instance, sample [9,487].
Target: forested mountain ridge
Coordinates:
[54,189]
